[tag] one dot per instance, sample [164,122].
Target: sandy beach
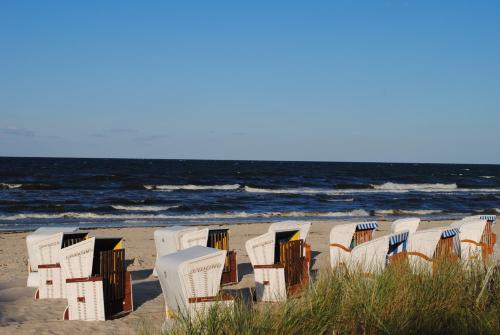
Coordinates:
[20,313]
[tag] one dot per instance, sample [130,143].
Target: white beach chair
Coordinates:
[477,239]
[427,247]
[98,285]
[52,281]
[302,227]
[172,239]
[410,224]
[344,237]
[281,261]
[372,257]
[190,280]
[33,255]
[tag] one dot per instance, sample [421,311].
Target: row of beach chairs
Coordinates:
[194,263]
[191,278]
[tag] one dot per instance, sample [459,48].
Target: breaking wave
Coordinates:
[227,215]
[384,188]
[143,208]
[41,186]
[407,212]
[416,187]
[170,188]
[4,186]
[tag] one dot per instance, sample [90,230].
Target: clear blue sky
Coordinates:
[399,81]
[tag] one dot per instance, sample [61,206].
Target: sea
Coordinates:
[93,193]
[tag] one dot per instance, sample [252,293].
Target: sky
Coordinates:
[384,81]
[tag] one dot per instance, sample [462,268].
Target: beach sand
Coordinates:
[20,313]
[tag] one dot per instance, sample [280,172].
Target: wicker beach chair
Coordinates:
[343,238]
[281,261]
[172,239]
[373,256]
[477,239]
[426,248]
[190,280]
[98,286]
[33,252]
[52,280]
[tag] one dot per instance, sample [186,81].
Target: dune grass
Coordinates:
[452,300]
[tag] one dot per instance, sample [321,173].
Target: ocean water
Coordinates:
[123,192]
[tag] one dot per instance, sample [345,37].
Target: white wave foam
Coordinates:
[487,177]
[228,215]
[143,208]
[10,186]
[170,188]
[304,190]
[384,188]
[416,187]
[342,200]
[407,212]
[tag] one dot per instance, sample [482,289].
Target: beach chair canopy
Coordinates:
[260,249]
[302,227]
[491,218]
[172,239]
[470,229]
[343,234]
[370,256]
[39,235]
[48,249]
[425,241]
[345,237]
[77,260]
[410,224]
[190,275]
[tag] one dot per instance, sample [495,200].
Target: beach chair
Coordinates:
[477,239]
[33,256]
[410,224]
[281,261]
[343,238]
[373,256]
[98,286]
[488,238]
[172,239]
[426,248]
[190,280]
[52,280]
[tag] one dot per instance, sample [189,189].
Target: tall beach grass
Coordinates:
[452,300]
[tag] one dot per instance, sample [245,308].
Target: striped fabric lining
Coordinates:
[488,217]
[367,226]
[450,232]
[398,238]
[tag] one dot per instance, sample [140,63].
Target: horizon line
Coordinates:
[244,160]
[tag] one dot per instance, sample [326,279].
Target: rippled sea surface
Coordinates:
[123,192]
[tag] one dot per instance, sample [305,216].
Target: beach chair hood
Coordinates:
[370,256]
[471,230]
[424,241]
[33,251]
[260,249]
[302,226]
[342,234]
[189,274]
[410,224]
[77,259]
